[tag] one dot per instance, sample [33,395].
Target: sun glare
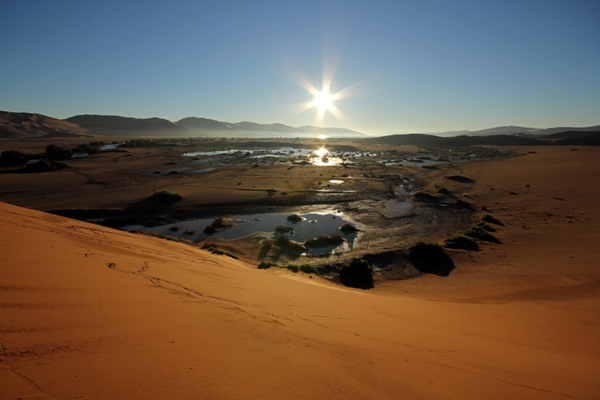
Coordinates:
[323,100]
[321,152]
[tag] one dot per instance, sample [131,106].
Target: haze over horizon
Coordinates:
[390,66]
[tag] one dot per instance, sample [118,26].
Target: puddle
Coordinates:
[336,181]
[310,226]
[203,171]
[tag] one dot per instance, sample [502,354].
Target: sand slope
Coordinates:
[88,312]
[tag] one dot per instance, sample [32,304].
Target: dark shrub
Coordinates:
[348,229]
[45,166]
[215,250]
[308,269]
[295,218]
[357,273]
[486,227]
[219,224]
[492,220]
[290,247]
[88,148]
[430,258]
[284,229]
[461,242]
[210,229]
[266,265]
[166,196]
[478,233]
[11,158]
[57,153]
[459,178]
[422,196]
[292,267]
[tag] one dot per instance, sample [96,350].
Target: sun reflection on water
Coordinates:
[322,158]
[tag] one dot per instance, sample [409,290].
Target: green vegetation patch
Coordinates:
[216,250]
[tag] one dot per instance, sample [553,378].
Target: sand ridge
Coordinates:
[90,312]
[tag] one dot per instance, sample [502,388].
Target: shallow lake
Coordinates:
[312,225]
[318,157]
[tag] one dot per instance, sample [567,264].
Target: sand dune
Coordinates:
[93,313]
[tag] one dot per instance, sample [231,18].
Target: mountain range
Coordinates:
[24,125]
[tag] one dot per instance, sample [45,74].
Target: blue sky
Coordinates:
[398,66]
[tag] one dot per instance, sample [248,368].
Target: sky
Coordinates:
[390,66]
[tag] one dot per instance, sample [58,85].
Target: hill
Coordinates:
[25,125]
[424,140]
[117,125]
[22,125]
[204,126]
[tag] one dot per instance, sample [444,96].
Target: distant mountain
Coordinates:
[551,131]
[514,130]
[246,128]
[116,125]
[24,125]
[575,138]
[204,124]
[502,130]
[424,140]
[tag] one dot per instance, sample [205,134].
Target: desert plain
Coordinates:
[92,312]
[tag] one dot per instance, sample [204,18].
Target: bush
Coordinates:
[210,229]
[477,233]
[422,196]
[89,148]
[357,273]
[461,242]
[44,166]
[459,178]
[430,258]
[295,218]
[348,229]
[215,250]
[492,220]
[12,158]
[292,267]
[289,246]
[166,196]
[284,229]
[308,269]
[57,153]
[266,265]
[486,227]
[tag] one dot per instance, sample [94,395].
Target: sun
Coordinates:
[324,100]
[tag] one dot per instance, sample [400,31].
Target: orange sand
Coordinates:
[88,312]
